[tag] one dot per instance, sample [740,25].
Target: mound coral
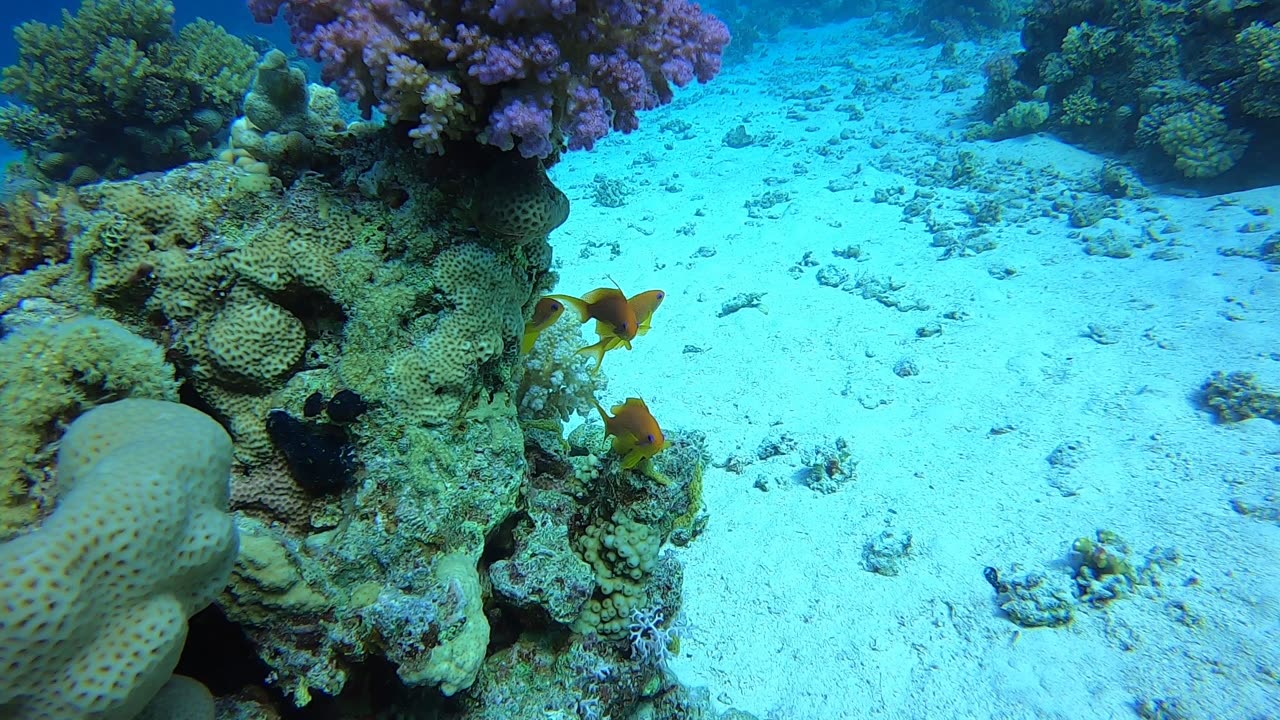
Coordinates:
[515,74]
[97,599]
[115,91]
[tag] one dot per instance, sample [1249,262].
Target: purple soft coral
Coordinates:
[526,116]
[526,74]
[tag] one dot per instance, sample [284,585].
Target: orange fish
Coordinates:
[644,305]
[545,314]
[636,435]
[616,322]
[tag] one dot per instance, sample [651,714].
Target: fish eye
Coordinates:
[661,295]
[651,438]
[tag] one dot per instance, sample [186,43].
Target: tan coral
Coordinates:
[253,342]
[172,219]
[33,230]
[434,380]
[286,255]
[520,203]
[266,489]
[245,416]
[185,287]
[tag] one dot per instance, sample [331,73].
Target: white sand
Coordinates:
[787,622]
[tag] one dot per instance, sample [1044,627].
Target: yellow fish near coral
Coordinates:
[545,314]
[618,319]
[636,435]
[643,305]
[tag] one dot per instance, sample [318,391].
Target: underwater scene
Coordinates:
[640,360]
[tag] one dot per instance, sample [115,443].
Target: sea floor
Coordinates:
[994,405]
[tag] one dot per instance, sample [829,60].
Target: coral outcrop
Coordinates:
[1193,86]
[528,76]
[114,91]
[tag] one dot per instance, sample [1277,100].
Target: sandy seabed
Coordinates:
[1060,397]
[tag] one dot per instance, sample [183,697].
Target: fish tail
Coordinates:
[530,337]
[598,350]
[600,409]
[584,312]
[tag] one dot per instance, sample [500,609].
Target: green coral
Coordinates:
[1197,137]
[1081,108]
[1239,396]
[51,373]
[1023,118]
[1259,45]
[125,93]
[1105,571]
[1087,46]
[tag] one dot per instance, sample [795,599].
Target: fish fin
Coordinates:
[527,343]
[581,305]
[632,459]
[601,293]
[598,350]
[604,416]
[604,330]
[632,402]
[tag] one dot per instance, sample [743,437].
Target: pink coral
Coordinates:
[526,74]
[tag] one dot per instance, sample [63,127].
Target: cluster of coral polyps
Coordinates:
[516,74]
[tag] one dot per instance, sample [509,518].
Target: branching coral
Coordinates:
[516,74]
[115,91]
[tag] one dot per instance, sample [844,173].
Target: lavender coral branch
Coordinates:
[529,75]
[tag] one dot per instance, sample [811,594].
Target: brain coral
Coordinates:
[253,341]
[483,318]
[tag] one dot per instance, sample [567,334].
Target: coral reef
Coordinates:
[262,298]
[352,311]
[515,74]
[422,523]
[115,91]
[1193,86]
